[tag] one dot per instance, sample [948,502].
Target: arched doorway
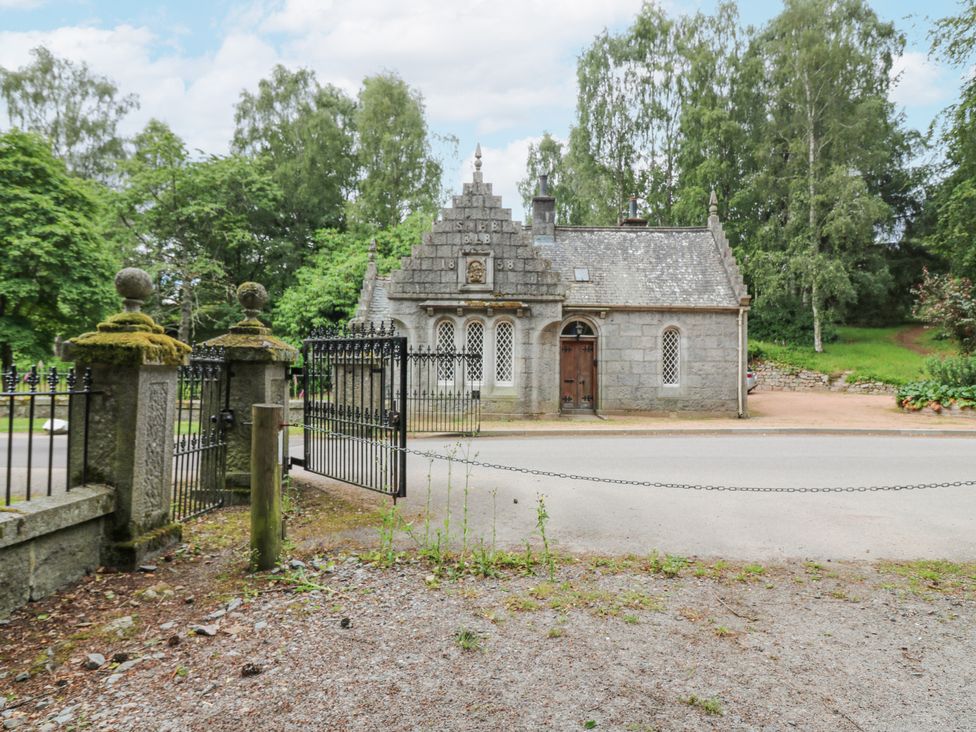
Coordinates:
[577,367]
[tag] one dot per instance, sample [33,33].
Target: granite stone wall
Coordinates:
[773,377]
[629,373]
[49,542]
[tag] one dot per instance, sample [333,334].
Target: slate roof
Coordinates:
[640,266]
[378,308]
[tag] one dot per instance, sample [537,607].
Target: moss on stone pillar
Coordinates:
[258,364]
[130,424]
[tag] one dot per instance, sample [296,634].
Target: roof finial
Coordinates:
[372,251]
[713,204]
[477,157]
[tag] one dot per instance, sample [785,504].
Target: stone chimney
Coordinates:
[543,210]
[632,218]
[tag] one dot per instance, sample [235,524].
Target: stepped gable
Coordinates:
[476,252]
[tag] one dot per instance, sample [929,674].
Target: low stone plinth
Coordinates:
[49,542]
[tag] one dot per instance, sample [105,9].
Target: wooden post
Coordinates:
[266,527]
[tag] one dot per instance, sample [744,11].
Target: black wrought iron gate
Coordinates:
[200,443]
[355,423]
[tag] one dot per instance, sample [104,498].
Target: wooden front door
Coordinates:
[577,372]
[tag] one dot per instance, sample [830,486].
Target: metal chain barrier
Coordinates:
[431,455]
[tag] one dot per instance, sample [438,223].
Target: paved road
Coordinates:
[614,519]
[42,445]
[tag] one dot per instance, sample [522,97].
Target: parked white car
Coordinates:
[751,381]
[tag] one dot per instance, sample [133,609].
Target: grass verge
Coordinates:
[871,354]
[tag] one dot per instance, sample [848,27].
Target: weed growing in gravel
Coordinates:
[541,519]
[556,632]
[387,555]
[722,632]
[934,576]
[522,604]
[566,596]
[670,565]
[631,619]
[467,488]
[709,706]
[467,640]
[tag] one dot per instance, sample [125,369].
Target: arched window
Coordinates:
[504,353]
[474,344]
[445,344]
[670,357]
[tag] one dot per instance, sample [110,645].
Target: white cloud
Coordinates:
[919,81]
[494,69]
[21,4]
[495,63]
[195,96]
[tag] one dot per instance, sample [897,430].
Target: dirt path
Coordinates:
[909,337]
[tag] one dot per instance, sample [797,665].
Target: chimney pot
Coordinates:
[543,210]
[632,218]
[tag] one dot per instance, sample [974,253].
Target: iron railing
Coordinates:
[200,444]
[63,399]
[444,391]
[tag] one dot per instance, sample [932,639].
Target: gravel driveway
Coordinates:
[783,648]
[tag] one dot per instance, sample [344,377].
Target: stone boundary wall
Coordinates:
[42,407]
[773,377]
[47,543]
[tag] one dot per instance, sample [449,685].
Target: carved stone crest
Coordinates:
[476,272]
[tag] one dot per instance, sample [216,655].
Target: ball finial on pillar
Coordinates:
[253,297]
[135,286]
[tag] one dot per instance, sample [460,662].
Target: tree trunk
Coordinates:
[6,350]
[817,334]
[186,311]
[811,203]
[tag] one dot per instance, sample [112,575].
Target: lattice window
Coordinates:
[475,346]
[445,344]
[671,357]
[504,353]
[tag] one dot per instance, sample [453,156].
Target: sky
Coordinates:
[498,72]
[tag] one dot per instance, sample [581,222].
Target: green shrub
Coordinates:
[952,371]
[919,394]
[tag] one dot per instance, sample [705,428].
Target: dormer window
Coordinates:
[582,274]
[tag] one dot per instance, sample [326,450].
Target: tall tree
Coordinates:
[828,145]
[206,225]
[76,110]
[399,174]
[655,117]
[952,205]
[326,290]
[304,132]
[55,272]
[548,158]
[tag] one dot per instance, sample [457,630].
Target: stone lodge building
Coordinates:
[620,319]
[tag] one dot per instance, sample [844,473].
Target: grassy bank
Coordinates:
[892,355]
